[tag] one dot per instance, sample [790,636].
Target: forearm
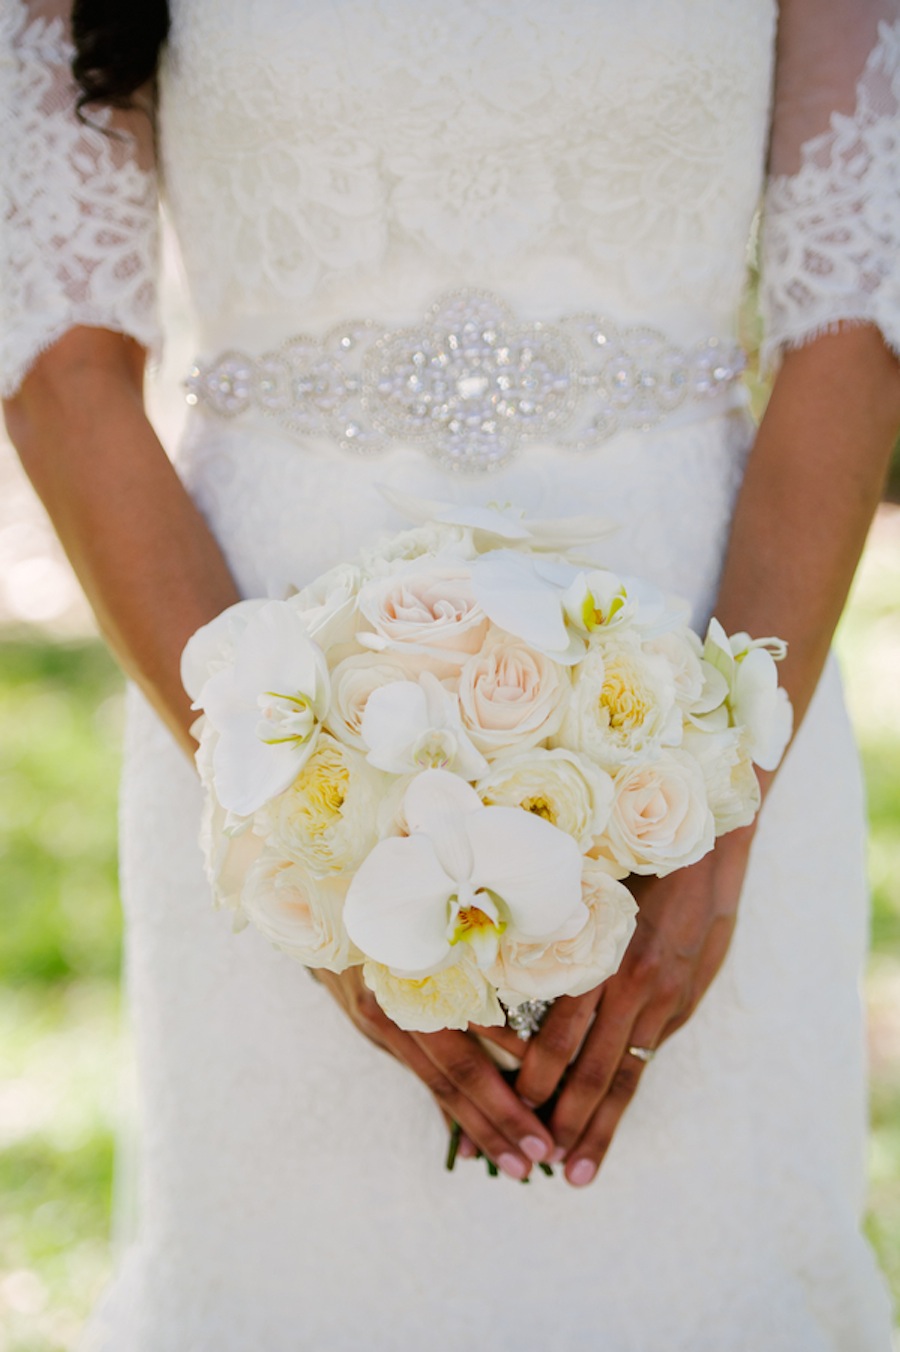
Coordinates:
[144,555]
[813,481]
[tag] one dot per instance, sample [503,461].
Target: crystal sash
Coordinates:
[472,383]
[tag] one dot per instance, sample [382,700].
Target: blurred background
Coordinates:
[63,1042]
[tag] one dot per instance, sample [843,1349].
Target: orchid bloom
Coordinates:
[410,726]
[500,525]
[598,600]
[266,704]
[464,876]
[755,700]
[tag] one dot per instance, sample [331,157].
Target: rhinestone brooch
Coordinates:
[471,384]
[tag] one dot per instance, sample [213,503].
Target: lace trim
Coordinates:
[79,237]
[831,232]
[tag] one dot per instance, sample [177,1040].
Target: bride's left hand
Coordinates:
[685,923]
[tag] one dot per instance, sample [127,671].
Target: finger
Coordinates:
[504,1037]
[462,1061]
[587,1155]
[477,1126]
[551,1050]
[591,1076]
[452,1099]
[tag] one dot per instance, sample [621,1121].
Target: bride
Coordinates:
[342,177]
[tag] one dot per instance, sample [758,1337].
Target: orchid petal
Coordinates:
[511,594]
[394,716]
[248,772]
[441,805]
[212,644]
[531,865]
[397,905]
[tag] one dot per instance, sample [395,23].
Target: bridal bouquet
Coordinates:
[439,761]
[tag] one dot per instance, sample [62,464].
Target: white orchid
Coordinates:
[601,601]
[754,699]
[500,525]
[266,703]
[523,594]
[465,875]
[416,725]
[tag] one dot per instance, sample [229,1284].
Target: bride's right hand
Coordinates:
[465,1083]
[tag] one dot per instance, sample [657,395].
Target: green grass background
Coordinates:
[61,1049]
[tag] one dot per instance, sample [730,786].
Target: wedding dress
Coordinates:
[338,171]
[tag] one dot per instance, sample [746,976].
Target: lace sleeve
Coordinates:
[830,245]
[78,206]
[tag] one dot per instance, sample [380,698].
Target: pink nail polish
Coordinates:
[512,1166]
[534,1148]
[557,1155]
[467,1149]
[581,1172]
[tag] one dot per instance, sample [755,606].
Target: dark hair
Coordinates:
[117,46]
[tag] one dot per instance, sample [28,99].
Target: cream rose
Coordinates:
[511,696]
[300,914]
[732,787]
[430,608]
[578,964]
[451,998]
[567,790]
[325,821]
[660,820]
[622,704]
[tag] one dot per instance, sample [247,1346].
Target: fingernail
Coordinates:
[528,1103]
[581,1172]
[512,1166]
[466,1148]
[558,1155]
[534,1148]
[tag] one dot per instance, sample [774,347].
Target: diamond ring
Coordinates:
[642,1053]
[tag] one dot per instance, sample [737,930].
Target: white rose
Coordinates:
[567,790]
[682,649]
[325,821]
[451,998]
[300,914]
[428,607]
[575,965]
[429,539]
[732,788]
[511,696]
[622,704]
[660,820]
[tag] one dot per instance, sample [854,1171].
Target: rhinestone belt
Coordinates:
[471,383]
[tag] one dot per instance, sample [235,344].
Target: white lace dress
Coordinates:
[360,160]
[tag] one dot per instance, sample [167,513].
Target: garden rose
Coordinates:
[453,997]
[325,821]
[565,789]
[732,788]
[622,703]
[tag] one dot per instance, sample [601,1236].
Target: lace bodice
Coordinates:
[382,148]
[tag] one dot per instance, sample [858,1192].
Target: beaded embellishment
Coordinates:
[471,384]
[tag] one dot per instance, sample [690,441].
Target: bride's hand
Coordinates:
[685,924]
[462,1078]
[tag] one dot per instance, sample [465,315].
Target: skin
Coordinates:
[154,573]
